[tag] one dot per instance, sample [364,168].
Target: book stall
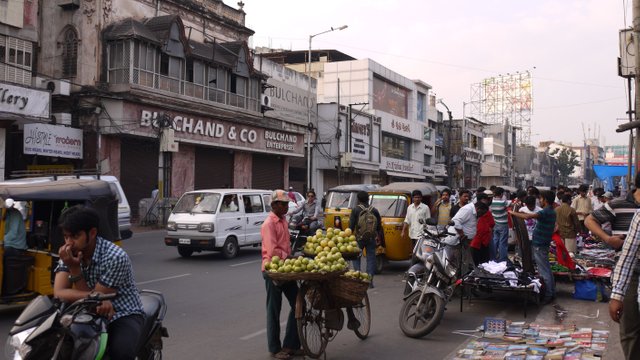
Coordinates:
[503,339]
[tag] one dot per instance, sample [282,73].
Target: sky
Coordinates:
[569,46]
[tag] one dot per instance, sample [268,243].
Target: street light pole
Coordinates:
[309,104]
[449,172]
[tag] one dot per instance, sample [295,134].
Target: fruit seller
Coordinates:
[276,242]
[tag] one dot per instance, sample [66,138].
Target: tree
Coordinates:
[567,161]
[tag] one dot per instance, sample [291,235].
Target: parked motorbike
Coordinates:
[48,329]
[431,280]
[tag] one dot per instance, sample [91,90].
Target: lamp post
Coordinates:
[309,125]
[449,172]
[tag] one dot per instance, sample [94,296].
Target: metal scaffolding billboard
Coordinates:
[505,99]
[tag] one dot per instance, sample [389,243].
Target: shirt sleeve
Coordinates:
[61,267]
[269,242]
[408,215]
[604,214]
[459,219]
[627,261]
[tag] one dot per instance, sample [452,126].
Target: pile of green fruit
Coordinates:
[344,241]
[357,275]
[323,262]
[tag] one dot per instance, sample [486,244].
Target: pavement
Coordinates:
[137,229]
[580,313]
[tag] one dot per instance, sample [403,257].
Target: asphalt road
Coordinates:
[216,308]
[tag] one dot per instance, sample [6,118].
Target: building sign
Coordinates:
[52,140]
[389,97]
[361,136]
[24,101]
[405,128]
[397,165]
[224,133]
[288,92]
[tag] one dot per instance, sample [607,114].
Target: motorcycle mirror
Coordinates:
[451,223]
[431,221]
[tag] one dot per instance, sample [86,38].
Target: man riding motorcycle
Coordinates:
[88,263]
[311,210]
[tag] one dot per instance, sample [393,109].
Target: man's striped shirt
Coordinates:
[499,211]
[619,213]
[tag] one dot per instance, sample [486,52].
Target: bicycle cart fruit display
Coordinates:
[319,304]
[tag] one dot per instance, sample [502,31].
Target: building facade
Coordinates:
[166,90]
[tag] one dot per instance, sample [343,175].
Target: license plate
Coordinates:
[184,241]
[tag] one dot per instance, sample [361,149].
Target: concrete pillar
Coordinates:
[242,169]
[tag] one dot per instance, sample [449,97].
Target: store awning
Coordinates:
[406,175]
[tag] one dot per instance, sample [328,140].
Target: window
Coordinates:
[70,53]
[389,205]
[170,73]
[252,203]
[229,203]
[422,107]
[18,56]
[119,62]
[426,135]
[144,64]
[427,160]
[396,147]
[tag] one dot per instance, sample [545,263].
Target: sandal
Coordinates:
[292,352]
[282,355]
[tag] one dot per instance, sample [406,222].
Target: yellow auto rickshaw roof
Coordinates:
[354,188]
[408,187]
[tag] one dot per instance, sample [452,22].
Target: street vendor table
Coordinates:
[524,293]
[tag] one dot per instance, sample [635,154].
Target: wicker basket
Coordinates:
[317,276]
[347,291]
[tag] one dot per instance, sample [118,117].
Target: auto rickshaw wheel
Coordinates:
[185,251]
[380,262]
[230,248]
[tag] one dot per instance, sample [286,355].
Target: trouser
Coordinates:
[500,243]
[274,305]
[570,244]
[370,247]
[11,251]
[630,321]
[479,256]
[541,258]
[583,229]
[124,335]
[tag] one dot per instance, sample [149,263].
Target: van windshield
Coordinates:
[339,200]
[198,203]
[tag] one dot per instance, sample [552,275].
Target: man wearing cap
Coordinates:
[276,242]
[500,241]
[15,234]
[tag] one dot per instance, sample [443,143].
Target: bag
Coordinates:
[590,290]
[367,224]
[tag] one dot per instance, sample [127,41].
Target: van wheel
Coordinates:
[185,251]
[380,260]
[230,248]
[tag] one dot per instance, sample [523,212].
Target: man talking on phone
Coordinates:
[625,224]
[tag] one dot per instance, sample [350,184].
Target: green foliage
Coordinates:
[567,161]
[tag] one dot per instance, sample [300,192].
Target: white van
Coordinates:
[218,220]
[124,211]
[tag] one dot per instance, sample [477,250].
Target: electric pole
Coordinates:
[636,38]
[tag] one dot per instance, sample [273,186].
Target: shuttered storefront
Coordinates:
[138,169]
[214,168]
[267,172]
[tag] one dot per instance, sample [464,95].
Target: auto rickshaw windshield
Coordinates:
[340,200]
[198,203]
[389,205]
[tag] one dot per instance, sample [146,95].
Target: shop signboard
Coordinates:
[52,140]
[215,132]
[389,97]
[361,137]
[24,101]
[411,168]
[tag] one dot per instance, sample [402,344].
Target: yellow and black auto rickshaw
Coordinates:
[339,202]
[25,276]
[392,201]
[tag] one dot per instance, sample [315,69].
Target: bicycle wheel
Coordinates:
[311,330]
[362,313]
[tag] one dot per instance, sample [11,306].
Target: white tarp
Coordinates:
[52,140]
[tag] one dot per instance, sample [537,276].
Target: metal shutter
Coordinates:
[214,168]
[267,172]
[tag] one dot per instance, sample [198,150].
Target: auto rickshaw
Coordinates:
[392,201]
[27,276]
[339,202]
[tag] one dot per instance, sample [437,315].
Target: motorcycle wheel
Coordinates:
[418,321]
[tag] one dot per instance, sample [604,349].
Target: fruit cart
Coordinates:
[319,307]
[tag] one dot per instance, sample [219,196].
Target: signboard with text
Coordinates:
[361,137]
[405,166]
[52,140]
[389,97]
[289,91]
[221,133]
[24,101]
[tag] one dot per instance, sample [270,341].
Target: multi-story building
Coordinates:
[166,88]
[499,148]
[25,101]
[440,161]
[466,151]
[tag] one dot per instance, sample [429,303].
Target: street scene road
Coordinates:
[216,309]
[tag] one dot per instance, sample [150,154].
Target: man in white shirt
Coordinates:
[466,221]
[416,211]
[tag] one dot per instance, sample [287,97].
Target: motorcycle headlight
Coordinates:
[171,226]
[16,348]
[205,227]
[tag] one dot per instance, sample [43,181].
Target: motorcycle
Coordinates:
[431,280]
[301,227]
[49,329]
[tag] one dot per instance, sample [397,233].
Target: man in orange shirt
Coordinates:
[276,242]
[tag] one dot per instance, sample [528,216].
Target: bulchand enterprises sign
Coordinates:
[227,134]
[52,140]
